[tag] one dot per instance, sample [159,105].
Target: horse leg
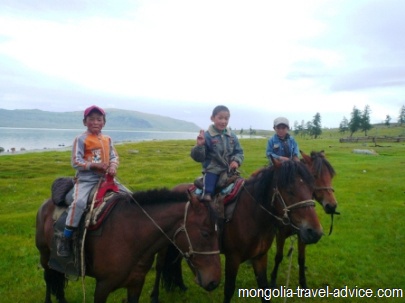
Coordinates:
[280,241]
[301,263]
[231,270]
[178,278]
[170,268]
[55,281]
[55,284]
[101,291]
[160,259]
[133,294]
[260,270]
[154,296]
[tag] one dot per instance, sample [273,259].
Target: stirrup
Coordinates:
[63,248]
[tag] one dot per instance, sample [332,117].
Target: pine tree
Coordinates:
[387,120]
[316,129]
[365,120]
[344,125]
[401,118]
[355,121]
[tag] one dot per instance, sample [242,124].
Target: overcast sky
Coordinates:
[181,58]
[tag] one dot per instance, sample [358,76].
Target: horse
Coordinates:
[323,193]
[138,226]
[277,195]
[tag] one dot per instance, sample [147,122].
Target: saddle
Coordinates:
[226,193]
[62,190]
[62,196]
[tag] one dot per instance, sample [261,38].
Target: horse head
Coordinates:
[291,199]
[323,173]
[200,241]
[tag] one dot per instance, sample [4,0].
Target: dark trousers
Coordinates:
[210,181]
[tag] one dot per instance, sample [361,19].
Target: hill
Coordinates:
[117,119]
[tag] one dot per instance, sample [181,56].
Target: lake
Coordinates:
[44,138]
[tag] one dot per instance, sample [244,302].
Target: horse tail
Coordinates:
[172,276]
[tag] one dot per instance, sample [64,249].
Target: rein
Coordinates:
[285,219]
[335,213]
[87,223]
[183,227]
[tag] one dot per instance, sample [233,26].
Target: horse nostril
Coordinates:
[212,285]
[329,209]
[310,236]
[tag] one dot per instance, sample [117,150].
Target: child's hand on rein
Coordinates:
[234,165]
[112,170]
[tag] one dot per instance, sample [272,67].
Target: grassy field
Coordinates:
[365,250]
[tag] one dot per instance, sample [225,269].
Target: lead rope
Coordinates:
[191,251]
[87,223]
[290,253]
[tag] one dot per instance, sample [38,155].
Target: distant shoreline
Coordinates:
[68,148]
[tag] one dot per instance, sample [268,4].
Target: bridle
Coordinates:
[191,251]
[324,188]
[182,228]
[319,188]
[285,218]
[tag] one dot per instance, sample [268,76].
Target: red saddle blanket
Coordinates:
[231,195]
[107,185]
[235,191]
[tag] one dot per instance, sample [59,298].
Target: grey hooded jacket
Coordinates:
[219,150]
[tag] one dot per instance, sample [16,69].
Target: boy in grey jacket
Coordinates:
[218,149]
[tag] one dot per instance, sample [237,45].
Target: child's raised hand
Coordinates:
[201,138]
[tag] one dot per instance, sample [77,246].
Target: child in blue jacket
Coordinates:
[282,145]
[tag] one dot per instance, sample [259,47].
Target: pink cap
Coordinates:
[88,110]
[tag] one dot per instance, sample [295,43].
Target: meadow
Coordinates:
[365,250]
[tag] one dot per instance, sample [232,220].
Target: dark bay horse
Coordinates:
[122,255]
[323,172]
[274,196]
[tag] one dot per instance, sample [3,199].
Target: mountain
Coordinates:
[117,119]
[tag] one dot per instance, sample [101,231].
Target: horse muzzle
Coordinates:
[208,284]
[310,235]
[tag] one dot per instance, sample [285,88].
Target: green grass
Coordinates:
[365,250]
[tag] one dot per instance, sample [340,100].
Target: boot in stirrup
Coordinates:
[63,247]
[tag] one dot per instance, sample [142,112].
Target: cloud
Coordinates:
[182,57]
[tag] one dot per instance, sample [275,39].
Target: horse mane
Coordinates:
[319,161]
[264,179]
[157,196]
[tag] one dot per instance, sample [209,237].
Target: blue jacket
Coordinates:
[219,150]
[285,148]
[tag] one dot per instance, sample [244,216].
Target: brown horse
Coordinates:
[323,172]
[274,196]
[140,225]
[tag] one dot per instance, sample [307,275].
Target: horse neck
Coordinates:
[166,217]
[250,210]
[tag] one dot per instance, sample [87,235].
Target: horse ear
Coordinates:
[193,199]
[322,153]
[305,157]
[276,163]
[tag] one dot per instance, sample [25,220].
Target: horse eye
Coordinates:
[204,233]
